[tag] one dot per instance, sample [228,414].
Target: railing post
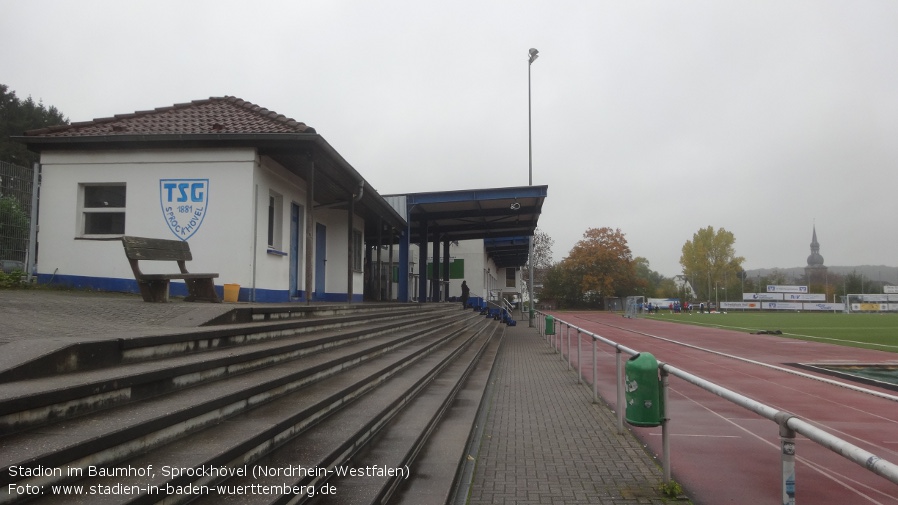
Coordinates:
[579,360]
[665,429]
[621,406]
[569,354]
[595,372]
[787,442]
[559,331]
[558,346]
[560,335]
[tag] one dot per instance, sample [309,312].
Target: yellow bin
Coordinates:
[231,292]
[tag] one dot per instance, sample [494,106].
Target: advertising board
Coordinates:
[774,288]
[762,296]
[782,305]
[740,305]
[809,297]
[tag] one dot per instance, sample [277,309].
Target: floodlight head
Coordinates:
[534,54]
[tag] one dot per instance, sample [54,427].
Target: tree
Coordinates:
[656,285]
[18,116]
[560,287]
[603,263]
[855,283]
[13,229]
[709,260]
[542,254]
[541,258]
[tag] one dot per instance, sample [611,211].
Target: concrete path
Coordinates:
[545,442]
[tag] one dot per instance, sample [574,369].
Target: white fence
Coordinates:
[15,211]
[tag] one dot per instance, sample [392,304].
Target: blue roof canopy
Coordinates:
[505,218]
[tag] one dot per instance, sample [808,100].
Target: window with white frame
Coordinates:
[357,250]
[275,220]
[102,209]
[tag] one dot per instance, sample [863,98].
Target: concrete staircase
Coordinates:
[321,404]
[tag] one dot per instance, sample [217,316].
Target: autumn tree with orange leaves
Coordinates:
[599,266]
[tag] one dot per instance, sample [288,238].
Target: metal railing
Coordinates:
[789,424]
[499,302]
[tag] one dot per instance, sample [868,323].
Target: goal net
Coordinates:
[634,306]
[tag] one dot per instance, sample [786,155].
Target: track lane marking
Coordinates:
[823,471]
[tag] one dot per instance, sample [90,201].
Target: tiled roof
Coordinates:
[217,115]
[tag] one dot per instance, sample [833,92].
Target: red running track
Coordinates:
[724,454]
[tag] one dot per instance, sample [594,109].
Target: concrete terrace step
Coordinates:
[446,460]
[365,390]
[278,311]
[38,401]
[409,404]
[100,353]
[78,437]
[423,439]
[227,397]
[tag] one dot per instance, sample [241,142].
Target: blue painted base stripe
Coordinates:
[115,285]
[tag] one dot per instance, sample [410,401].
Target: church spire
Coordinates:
[815,246]
[815,260]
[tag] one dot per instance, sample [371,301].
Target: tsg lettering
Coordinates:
[184,230]
[196,191]
[184,203]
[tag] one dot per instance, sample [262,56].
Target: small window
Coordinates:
[357,250]
[510,278]
[102,209]
[275,218]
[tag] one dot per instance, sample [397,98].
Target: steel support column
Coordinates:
[446,270]
[435,270]
[422,262]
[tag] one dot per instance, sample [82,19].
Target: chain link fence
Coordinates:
[15,211]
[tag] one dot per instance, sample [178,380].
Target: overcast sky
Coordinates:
[656,117]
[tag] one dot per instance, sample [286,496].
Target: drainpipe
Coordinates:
[255,242]
[310,232]
[32,232]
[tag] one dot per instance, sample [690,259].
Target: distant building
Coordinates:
[683,284]
[816,271]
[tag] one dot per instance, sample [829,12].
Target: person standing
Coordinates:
[465,291]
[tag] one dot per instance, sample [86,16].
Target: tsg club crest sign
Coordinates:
[184,203]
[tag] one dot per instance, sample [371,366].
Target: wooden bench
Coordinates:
[154,287]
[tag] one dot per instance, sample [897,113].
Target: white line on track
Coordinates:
[811,337]
[759,363]
[848,483]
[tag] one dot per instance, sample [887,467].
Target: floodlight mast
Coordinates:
[534,54]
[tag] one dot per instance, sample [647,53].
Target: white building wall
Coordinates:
[272,269]
[222,243]
[335,279]
[231,239]
[471,251]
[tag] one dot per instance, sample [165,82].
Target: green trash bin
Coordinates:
[645,406]
[550,325]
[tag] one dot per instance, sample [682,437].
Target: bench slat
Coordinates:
[155,249]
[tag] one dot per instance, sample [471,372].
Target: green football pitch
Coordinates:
[871,331]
